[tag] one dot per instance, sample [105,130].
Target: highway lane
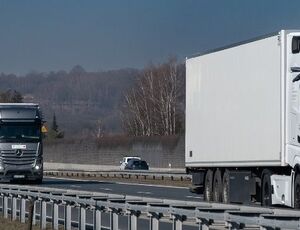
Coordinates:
[143,190]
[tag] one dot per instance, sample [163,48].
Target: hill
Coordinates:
[80,100]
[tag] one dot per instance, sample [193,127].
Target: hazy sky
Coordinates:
[49,35]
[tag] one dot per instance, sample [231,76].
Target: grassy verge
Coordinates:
[8,224]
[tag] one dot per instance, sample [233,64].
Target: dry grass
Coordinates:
[7,224]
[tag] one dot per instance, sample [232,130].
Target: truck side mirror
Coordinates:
[297,78]
[295,69]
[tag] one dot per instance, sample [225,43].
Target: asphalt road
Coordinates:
[144,190]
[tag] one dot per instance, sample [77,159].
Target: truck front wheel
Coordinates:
[297,192]
[208,186]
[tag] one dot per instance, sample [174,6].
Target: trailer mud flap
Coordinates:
[241,187]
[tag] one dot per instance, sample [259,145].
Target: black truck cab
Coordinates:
[21,144]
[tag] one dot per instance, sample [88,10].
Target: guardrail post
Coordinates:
[31,214]
[97,219]
[234,226]
[114,219]
[266,228]
[132,219]
[55,216]
[154,221]
[177,222]
[5,209]
[22,210]
[43,216]
[82,218]
[34,212]
[68,217]
[13,208]
[203,224]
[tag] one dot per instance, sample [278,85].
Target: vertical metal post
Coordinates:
[132,221]
[82,218]
[97,219]
[177,223]
[114,220]
[203,224]
[43,215]
[55,216]
[22,210]
[31,213]
[34,213]
[13,208]
[67,217]
[263,228]
[154,221]
[233,226]
[5,203]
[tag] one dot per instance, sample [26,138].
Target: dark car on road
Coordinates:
[137,165]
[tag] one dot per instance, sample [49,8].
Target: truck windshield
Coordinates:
[21,132]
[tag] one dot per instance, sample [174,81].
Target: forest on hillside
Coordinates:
[146,102]
[80,100]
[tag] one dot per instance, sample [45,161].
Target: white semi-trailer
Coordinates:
[243,121]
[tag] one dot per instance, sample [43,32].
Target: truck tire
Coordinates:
[225,189]
[217,186]
[208,186]
[266,188]
[297,192]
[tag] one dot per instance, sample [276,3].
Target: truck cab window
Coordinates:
[296,44]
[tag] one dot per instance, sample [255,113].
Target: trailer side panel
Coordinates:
[233,106]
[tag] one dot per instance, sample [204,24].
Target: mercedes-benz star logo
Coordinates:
[19,152]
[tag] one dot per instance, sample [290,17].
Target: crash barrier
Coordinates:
[42,205]
[142,175]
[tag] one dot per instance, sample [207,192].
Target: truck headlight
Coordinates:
[37,167]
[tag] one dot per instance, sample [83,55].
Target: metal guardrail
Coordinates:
[145,175]
[16,199]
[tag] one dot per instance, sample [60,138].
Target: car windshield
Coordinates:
[144,164]
[20,132]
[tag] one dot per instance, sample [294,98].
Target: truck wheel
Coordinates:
[217,186]
[225,189]
[208,190]
[297,192]
[266,196]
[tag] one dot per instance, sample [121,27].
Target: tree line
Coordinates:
[147,102]
[79,98]
[155,104]
[11,96]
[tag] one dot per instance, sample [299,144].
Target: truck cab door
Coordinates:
[293,87]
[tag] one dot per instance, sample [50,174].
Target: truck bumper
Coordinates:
[21,173]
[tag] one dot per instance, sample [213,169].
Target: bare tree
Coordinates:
[11,96]
[153,105]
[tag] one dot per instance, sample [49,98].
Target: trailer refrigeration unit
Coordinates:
[243,121]
[21,142]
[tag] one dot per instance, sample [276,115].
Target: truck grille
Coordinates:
[11,157]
